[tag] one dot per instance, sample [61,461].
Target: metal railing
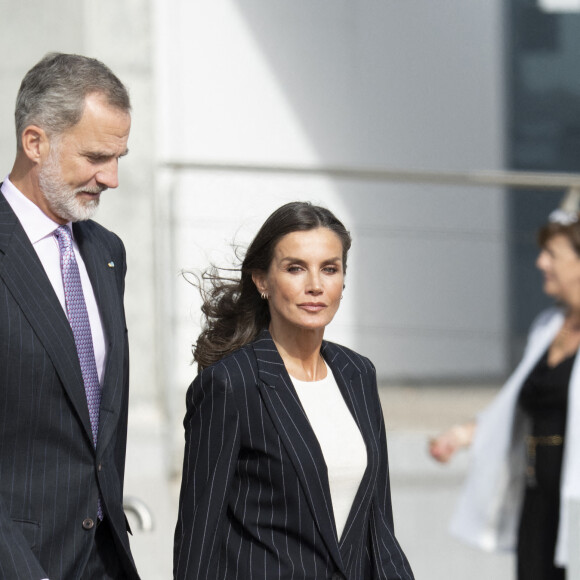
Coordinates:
[519,179]
[141,511]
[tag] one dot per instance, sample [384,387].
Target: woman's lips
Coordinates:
[312,306]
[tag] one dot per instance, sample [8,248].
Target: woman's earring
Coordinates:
[263,295]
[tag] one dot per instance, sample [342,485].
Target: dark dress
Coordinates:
[544,397]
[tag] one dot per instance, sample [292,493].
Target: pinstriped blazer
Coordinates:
[50,473]
[255,500]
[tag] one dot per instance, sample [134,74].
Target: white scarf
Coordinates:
[488,510]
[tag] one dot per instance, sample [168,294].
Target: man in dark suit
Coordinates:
[63,337]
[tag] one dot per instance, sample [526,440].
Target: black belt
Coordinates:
[532,442]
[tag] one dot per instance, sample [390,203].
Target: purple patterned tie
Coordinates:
[81,327]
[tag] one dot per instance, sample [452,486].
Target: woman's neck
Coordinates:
[300,351]
[573,317]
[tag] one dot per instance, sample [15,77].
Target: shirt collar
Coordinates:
[35,222]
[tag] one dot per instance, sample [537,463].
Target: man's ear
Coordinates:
[35,143]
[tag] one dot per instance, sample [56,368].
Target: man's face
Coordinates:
[83,162]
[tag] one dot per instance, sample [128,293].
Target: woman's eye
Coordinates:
[331,269]
[294,269]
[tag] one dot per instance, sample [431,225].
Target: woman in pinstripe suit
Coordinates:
[285,473]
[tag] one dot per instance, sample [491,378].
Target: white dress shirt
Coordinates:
[339,437]
[40,230]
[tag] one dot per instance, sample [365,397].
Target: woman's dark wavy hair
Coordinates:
[233,311]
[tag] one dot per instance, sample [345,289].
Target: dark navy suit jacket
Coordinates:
[255,500]
[50,473]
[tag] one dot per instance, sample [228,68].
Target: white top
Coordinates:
[40,231]
[342,444]
[488,509]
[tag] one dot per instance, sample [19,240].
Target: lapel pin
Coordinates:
[111,264]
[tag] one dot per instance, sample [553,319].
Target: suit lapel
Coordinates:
[300,442]
[351,379]
[24,276]
[101,270]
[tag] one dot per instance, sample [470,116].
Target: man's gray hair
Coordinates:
[53,92]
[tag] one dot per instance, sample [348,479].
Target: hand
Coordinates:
[445,445]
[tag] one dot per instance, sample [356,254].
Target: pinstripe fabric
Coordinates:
[255,501]
[49,476]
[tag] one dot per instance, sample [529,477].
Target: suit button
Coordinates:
[88,524]
[100,467]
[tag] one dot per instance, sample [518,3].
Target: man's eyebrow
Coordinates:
[105,154]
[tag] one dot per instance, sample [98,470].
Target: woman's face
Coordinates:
[304,281]
[560,265]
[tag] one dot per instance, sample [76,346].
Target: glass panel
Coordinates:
[544,135]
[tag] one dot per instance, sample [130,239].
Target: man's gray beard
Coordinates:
[62,199]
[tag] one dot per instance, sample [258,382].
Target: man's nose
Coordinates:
[108,175]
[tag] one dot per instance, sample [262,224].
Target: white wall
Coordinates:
[362,83]
[118,33]
[392,84]
[412,84]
